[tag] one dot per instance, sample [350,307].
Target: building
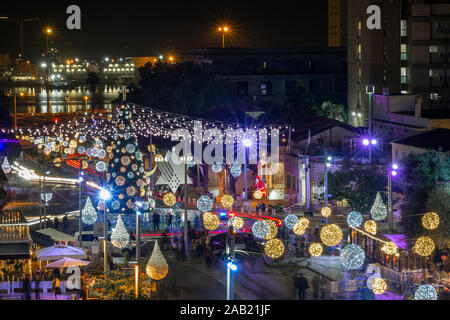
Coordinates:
[437,139]
[5,60]
[337,28]
[409,55]
[263,77]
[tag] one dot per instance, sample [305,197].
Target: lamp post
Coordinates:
[138,246]
[80,221]
[85,101]
[15,112]
[223,30]
[48,32]
[105,195]
[186,160]
[370,143]
[391,173]
[231,265]
[247,144]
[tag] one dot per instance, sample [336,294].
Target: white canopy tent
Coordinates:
[60,251]
[67,262]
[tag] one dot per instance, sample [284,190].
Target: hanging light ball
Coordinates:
[257,194]
[273,230]
[331,235]
[216,167]
[430,220]
[274,248]
[354,219]
[379,286]
[390,248]
[425,292]
[352,257]
[237,223]
[315,249]
[151,202]
[424,246]
[260,229]
[236,170]
[326,212]
[210,221]
[204,203]
[301,226]
[290,221]
[371,227]
[159,158]
[227,201]
[169,199]
[100,166]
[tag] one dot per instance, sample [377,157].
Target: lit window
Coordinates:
[404,28]
[359,28]
[403,54]
[359,52]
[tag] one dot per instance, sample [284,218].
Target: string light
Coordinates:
[273,230]
[430,220]
[326,212]
[120,236]
[227,201]
[390,248]
[260,229]
[425,292]
[331,235]
[210,221]
[378,210]
[301,226]
[237,223]
[352,257]
[274,248]
[315,249]
[379,286]
[354,219]
[424,246]
[290,221]
[169,199]
[371,227]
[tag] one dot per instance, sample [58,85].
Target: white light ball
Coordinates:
[352,257]
[425,292]
[290,221]
[204,203]
[260,229]
[354,219]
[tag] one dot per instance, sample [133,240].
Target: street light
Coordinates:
[369,142]
[86,101]
[247,144]
[223,30]
[48,32]
[105,195]
[391,173]
[15,111]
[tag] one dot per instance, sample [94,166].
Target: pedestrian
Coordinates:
[301,284]
[315,286]
[65,222]
[323,287]
[156,218]
[169,221]
[37,287]
[56,222]
[55,286]
[26,286]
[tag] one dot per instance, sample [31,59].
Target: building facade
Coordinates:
[337,17]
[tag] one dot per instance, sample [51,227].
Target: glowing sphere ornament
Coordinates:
[227,201]
[216,167]
[120,236]
[169,199]
[352,257]
[354,219]
[237,223]
[301,226]
[315,249]
[204,203]
[331,235]
[257,194]
[371,227]
[379,286]
[326,212]
[425,292]
[260,229]
[290,221]
[430,220]
[274,248]
[273,230]
[236,170]
[390,248]
[210,221]
[424,246]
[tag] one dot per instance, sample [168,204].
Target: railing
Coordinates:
[8,287]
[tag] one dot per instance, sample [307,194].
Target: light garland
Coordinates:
[424,246]
[430,220]
[273,230]
[210,221]
[425,292]
[227,201]
[120,237]
[331,235]
[390,248]
[354,219]
[257,194]
[157,267]
[290,221]
[315,249]
[301,226]
[378,210]
[237,223]
[379,286]
[204,203]
[352,257]
[326,212]
[260,229]
[371,227]
[274,248]
[169,199]
[89,215]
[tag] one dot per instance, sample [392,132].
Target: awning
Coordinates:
[56,235]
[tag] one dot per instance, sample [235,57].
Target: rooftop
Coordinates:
[437,139]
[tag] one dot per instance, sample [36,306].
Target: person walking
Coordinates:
[323,287]
[315,287]
[56,222]
[55,286]
[169,221]
[65,222]
[26,286]
[301,284]
[37,288]
[156,219]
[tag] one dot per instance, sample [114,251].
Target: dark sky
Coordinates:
[149,27]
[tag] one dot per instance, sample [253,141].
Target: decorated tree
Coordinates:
[378,210]
[126,179]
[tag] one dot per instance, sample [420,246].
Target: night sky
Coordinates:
[142,28]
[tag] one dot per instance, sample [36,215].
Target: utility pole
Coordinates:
[80,221]
[390,213]
[138,251]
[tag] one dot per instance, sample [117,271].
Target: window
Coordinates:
[403,50]
[404,28]
[290,87]
[265,65]
[434,96]
[359,98]
[288,182]
[359,52]
[359,28]
[359,74]
[404,78]
[293,183]
[266,88]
